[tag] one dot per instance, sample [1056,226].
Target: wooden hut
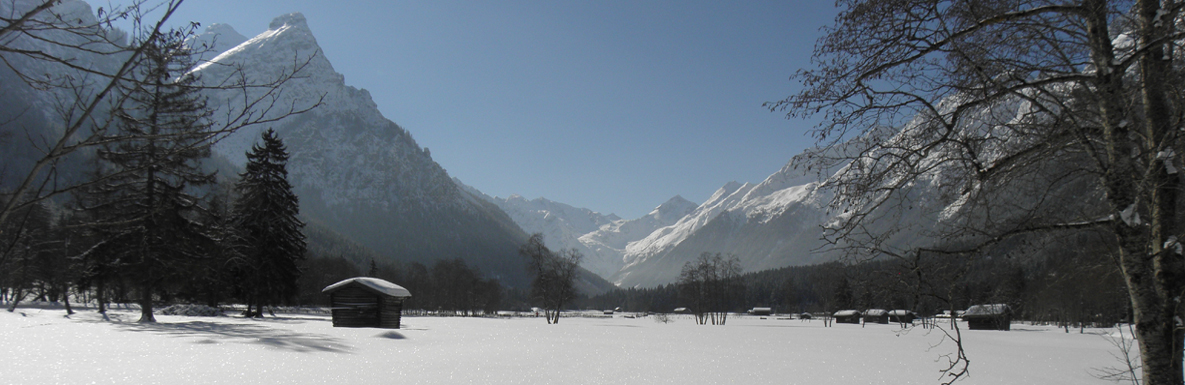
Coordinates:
[847,316]
[902,316]
[365,302]
[989,317]
[876,316]
[761,311]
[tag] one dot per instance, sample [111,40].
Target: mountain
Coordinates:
[214,40]
[779,222]
[354,170]
[768,225]
[608,244]
[602,239]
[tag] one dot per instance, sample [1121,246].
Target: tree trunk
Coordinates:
[101,296]
[17,295]
[66,299]
[146,305]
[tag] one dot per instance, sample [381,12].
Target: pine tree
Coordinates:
[144,204]
[265,219]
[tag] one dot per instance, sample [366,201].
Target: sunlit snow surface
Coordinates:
[43,347]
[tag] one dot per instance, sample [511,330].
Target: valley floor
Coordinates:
[42,346]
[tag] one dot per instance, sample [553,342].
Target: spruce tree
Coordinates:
[144,204]
[265,218]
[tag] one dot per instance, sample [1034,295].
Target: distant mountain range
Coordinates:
[768,225]
[360,175]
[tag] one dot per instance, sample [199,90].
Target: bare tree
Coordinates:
[711,284]
[555,275]
[1031,118]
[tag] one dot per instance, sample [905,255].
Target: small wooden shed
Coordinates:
[902,316]
[995,316]
[876,316]
[761,311]
[365,302]
[847,316]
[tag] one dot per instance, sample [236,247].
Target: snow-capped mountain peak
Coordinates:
[673,209]
[288,46]
[216,39]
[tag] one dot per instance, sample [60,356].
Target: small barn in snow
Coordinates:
[996,316]
[847,316]
[902,316]
[761,311]
[876,316]
[365,302]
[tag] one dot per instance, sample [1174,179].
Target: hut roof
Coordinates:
[876,312]
[379,285]
[900,312]
[987,310]
[846,313]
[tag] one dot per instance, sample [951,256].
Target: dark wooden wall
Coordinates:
[356,307]
[390,312]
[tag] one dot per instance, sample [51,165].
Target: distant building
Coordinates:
[805,315]
[847,316]
[876,316]
[996,316]
[365,302]
[682,310]
[902,316]
[761,311]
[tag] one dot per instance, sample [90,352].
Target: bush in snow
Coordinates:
[192,310]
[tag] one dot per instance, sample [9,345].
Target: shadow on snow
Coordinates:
[216,332]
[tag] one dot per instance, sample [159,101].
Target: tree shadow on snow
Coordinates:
[216,332]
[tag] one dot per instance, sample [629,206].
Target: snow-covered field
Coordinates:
[41,346]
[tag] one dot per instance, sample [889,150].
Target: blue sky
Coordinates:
[615,106]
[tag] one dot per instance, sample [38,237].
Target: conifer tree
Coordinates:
[144,203]
[272,243]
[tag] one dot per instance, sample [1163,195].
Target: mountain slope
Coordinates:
[602,239]
[767,225]
[607,245]
[354,170]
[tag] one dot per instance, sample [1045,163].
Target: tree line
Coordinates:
[1083,294]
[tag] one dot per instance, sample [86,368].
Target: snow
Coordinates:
[1130,216]
[1166,156]
[43,347]
[379,285]
[216,39]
